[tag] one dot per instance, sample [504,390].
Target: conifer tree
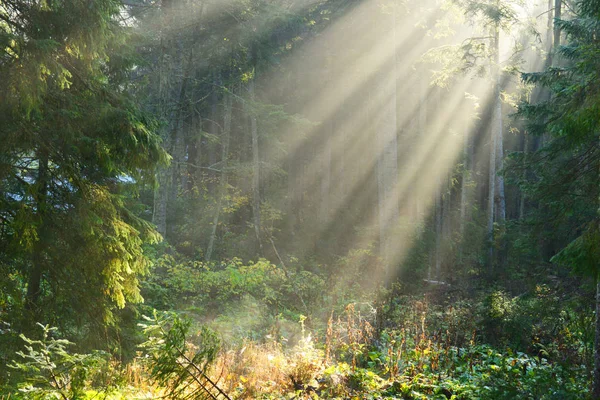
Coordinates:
[566,174]
[73,142]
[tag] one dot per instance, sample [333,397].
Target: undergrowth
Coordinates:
[435,346]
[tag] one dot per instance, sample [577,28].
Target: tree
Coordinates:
[566,169]
[387,141]
[223,182]
[74,143]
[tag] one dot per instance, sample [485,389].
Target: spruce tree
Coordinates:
[73,143]
[565,178]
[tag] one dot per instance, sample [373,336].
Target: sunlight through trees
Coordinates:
[350,194]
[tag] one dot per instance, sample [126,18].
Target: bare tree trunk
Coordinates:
[213,130]
[496,183]
[596,384]
[387,161]
[500,196]
[194,171]
[422,122]
[522,197]
[159,215]
[161,192]
[178,156]
[491,203]
[438,228]
[295,167]
[255,164]
[464,187]
[195,156]
[224,164]
[324,205]
[557,15]
[498,132]
[294,189]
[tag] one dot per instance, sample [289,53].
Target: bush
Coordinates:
[177,364]
[47,370]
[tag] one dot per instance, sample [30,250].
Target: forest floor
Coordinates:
[430,352]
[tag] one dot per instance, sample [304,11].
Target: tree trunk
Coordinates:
[324,204]
[557,15]
[255,163]
[37,267]
[438,229]
[464,195]
[159,215]
[422,134]
[596,384]
[214,132]
[522,198]
[161,192]
[498,134]
[178,157]
[224,164]
[387,159]
[195,155]
[500,195]
[293,190]
[496,183]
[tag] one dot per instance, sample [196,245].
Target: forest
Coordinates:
[299,199]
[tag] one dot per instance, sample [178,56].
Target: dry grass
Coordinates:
[256,370]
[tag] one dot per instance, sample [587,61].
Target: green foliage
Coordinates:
[47,370]
[74,142]
[348,284]
[433,356]
[583,253]
[429,369]
[563,175]
[213,287]
[176,364]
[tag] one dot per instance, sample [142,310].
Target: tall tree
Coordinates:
[566,183]
[387,139]
[225,138]
[255,151]
[73,142]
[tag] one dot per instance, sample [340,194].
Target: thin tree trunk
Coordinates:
[438,228]
[195,157]
[255,163]
[498,135]
[464,183]
[422,132]
[35,277]
[522,198]
[159,215]
[161,192]
[194,171]
[324,205]
[224,164]
[178,156]
[491,203]
[596,384]
[500,195]
[557,15]
[214,132]
[293,188]
[387,161]
[496,149]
